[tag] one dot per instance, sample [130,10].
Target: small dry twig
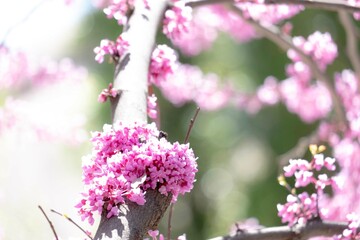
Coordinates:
[191,125]
[73,222]
[50,223]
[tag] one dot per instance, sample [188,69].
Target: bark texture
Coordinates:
[134,220]
[131,78]
[132,71]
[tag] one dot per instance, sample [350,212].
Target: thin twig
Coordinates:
[72,221]
[314,228]
[50,223]
[169,220]
[285,42]
[21,21]
[192,121]
[191,125]
[331,5]
[351,41]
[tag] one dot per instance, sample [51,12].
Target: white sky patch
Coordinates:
[50,24]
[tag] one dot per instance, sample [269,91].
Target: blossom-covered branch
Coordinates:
[332,5]
[130,212]
[285,42]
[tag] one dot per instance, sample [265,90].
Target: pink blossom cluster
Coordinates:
[177,20]
[298,209]
[163,64]
[310,100]
[19,70]
[118,9]
[319,46]
[200,34]
[268,14]
[190,84]
[106,93]
[232,24]
[114,49]
[304,171]
[155,233]
[303,207]
[202,30]
[152,107]
[351,232]
[126,161]
[347,87]
[346,146]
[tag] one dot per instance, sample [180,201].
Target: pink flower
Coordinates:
[118,9]
[107,92]
[153,233]
[268,14]
[201,32]
[303,178]
[106,47]
[351,231]
[115,50]
[232,24]
[268,93]
[151,106]
[310,102]
[296,165]
[177,20]
[298,209]
[163,64]
[129,159]
[190,84]
[319,46]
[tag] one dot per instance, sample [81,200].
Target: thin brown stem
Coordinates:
[330,5]
[351,41]
[192,121]
[72,221]
[50,223]
[171,209]
[191,124]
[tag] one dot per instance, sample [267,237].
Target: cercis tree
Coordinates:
[192,26]
[134,173]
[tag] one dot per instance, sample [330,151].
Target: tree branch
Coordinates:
[132,70]
[330,5]
[351,41]
[50,223]
[134,220]
[312,229]
[131,78]
[73,222]
[285,42]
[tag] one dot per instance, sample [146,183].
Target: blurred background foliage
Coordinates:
[237,153]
